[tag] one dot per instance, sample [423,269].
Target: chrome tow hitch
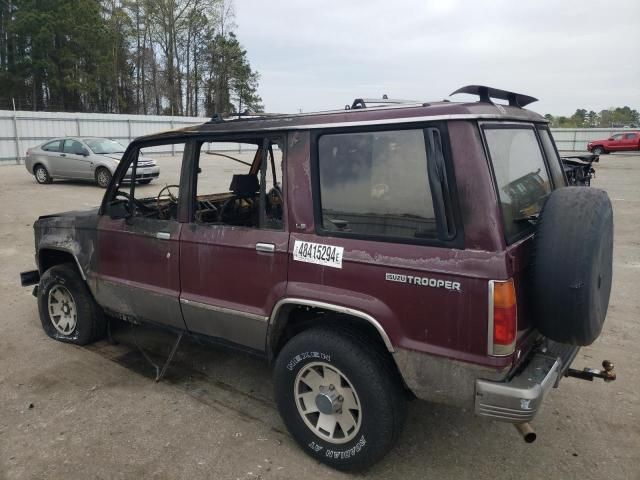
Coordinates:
[607,374]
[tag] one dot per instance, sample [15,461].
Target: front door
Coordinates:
[138,259]
[138,268]
[233,257]
[76,165]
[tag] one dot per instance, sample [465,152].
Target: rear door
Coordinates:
[630,141]
[233,265]
[50,153]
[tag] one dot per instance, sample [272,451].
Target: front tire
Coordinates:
[103,177]
[68,312]
[340,397]
[599,151]
[42,175]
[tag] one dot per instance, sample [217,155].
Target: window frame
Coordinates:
[71,141]
[545,128]
[452,202]
[511,125]
[241,137]
[130,159]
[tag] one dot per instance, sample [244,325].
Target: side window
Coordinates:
[239,183]
[555,166]
[630,136]
[376,184]
[617,136]
[155,193]
[52,146]
[521,176]
[72,146]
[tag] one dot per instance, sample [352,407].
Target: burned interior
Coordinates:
[253,199]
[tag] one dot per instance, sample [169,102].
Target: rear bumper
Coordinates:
[520,397]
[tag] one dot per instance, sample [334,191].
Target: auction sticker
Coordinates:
[310,252]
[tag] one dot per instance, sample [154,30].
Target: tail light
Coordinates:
[503,317]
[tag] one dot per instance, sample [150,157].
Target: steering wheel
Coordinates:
[275,203]
[173,199]
[137,202]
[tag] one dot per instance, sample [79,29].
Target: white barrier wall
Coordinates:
[21,130]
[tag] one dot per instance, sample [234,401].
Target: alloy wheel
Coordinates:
[62,310]
[327,402]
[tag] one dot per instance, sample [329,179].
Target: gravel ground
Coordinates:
[95,412]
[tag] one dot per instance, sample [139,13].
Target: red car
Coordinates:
[619,142]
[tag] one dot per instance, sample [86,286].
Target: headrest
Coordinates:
[244,184]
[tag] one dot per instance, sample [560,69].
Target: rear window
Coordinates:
[52,146]
[376,184]
[521,175]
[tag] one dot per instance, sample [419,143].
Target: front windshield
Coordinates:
[103,146]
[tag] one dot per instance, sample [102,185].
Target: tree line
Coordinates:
[611,118]
[163,57]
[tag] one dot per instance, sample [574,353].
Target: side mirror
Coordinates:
[610,138]
[82,151]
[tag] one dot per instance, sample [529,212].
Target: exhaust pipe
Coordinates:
[526,431]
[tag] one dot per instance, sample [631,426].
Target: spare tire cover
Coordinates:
[572,265]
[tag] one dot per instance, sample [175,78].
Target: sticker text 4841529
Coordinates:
[327,255]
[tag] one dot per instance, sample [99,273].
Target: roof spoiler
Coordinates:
[487,93]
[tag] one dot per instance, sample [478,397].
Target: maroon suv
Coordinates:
[372,254]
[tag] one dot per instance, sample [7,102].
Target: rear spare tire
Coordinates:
[572,265]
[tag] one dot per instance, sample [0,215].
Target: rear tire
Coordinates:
[572,265]
[68,312]
[103,177]
[42,174]
[599,150]
[366,408]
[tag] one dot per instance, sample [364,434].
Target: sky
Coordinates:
[318,55]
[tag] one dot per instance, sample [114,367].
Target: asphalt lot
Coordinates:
[94,412]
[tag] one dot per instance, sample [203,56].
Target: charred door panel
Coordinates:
[138,269]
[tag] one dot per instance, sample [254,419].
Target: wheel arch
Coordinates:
[38,163]
[293,315]
[51,256]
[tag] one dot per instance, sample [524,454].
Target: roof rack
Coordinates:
[487,93]
[385,100]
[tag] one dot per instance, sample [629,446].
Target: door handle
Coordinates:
[163,235]
[265,247]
